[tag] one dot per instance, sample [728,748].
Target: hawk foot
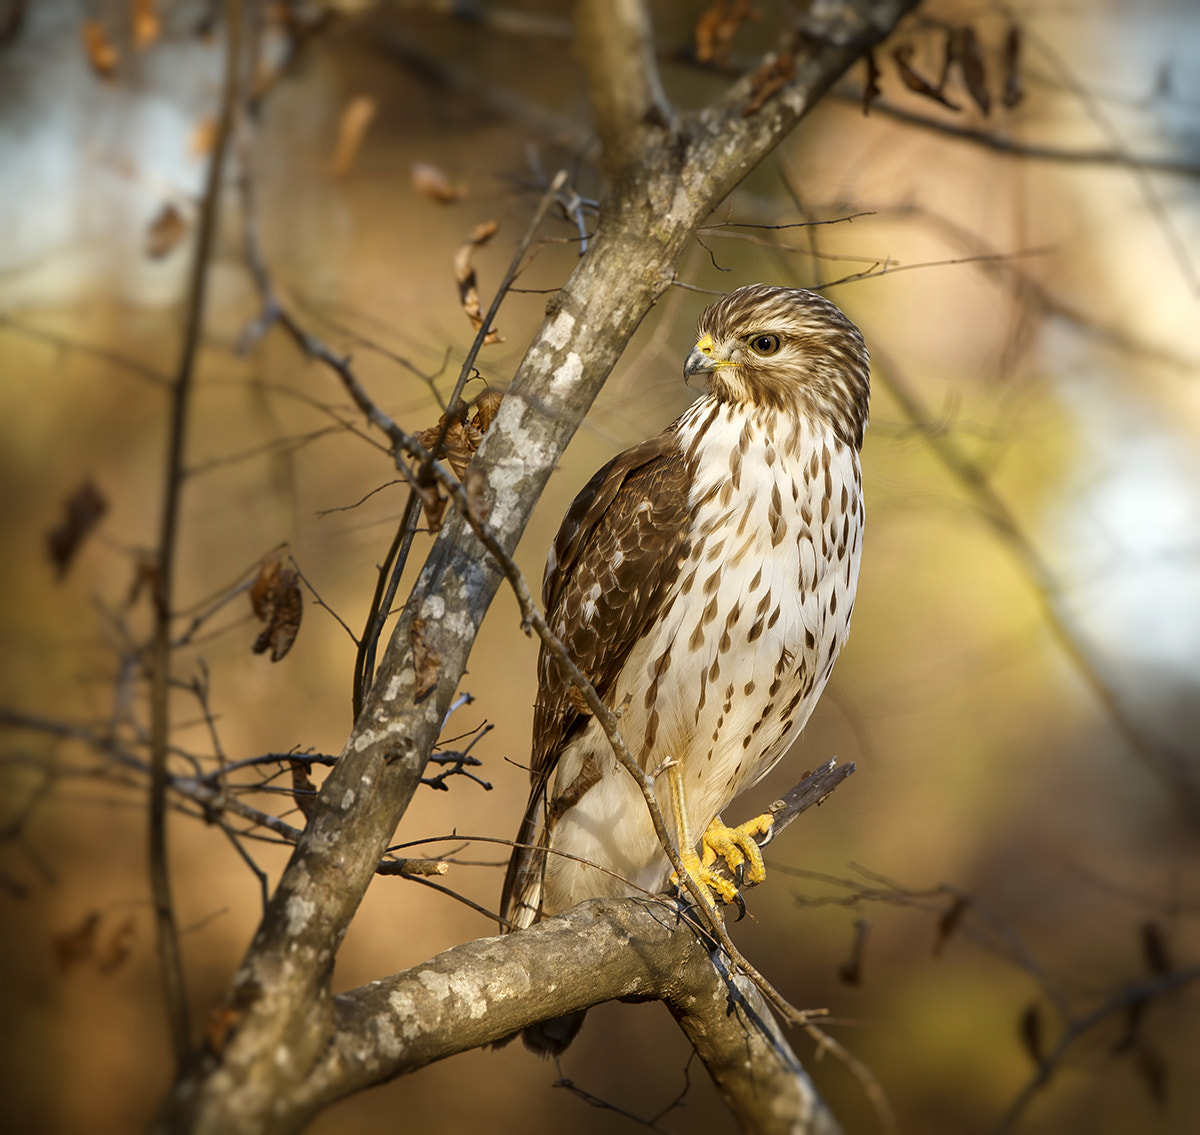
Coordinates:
[710,882]
[738,848]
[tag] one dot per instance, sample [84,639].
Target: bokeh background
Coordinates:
[1032,465]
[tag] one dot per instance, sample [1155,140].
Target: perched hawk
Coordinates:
[703,581]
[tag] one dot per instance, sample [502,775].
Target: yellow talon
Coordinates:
[709,880]
[737,846]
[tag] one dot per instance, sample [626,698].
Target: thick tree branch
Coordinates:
[485,991]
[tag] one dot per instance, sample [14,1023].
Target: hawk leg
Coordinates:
[708,879]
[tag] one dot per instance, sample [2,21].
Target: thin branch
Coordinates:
[1132,997]
[170,961]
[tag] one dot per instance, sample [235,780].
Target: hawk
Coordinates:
[703,581]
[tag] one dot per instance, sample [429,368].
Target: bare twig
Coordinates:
[168,936]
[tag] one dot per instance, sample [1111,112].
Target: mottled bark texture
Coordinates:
[667,171]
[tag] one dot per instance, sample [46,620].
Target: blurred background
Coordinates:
[1021,692]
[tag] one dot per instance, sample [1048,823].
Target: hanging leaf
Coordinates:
[304,792]
[203,138]
[949,921]
[84,509]
[465,432]
[147,26]
[79,945]
[464,277]
[850,972]
[916,82]
[1152,1069]
[974,70]
[431,182]
[352,126]
[101,53]
[717,26]
[1013,92]
[1030,1028]
[1154,948]
[165,232]
[276,599]
[871,89]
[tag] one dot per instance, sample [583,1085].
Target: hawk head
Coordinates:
[788,349]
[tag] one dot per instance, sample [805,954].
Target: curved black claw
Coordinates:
[741,905]
[739,874]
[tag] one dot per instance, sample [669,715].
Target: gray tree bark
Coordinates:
[289,1047]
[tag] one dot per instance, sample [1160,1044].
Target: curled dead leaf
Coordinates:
[84,509]
[717,26]
[276,599]
[147,26]
[101,53]
[871,88]
[112,952]
[1013,91]
[203,138]
[352,126]
[949,922]
[165,232]
[464,433]
[304,792]
[464,277]
[916,82]
[219,1025]
[974,70]
[772,76]
[79,945]
[427,661]
[1030,1029]
[431,182]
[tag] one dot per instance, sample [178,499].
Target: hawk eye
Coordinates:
[764,344]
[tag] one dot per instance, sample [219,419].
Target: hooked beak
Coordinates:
[701,359]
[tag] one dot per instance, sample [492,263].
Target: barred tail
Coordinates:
[521,898]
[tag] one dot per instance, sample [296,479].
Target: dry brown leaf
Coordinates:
[218,1027]
[717,26]
[78,945]
[84,509]
[1031,1033]
[1013,91]
[769,78]
[1152,1068]
[204,137]
[101,53]
[871,89]
[147,26]
[112,952]
[949,921]
[464,276]
[165,232]
[850,972]
[352,126]
[304,792]
[145,577]
[1154,948]
[430,182]
[276,600]
[917,82]
[465,432]
[970,59]
[427,661]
